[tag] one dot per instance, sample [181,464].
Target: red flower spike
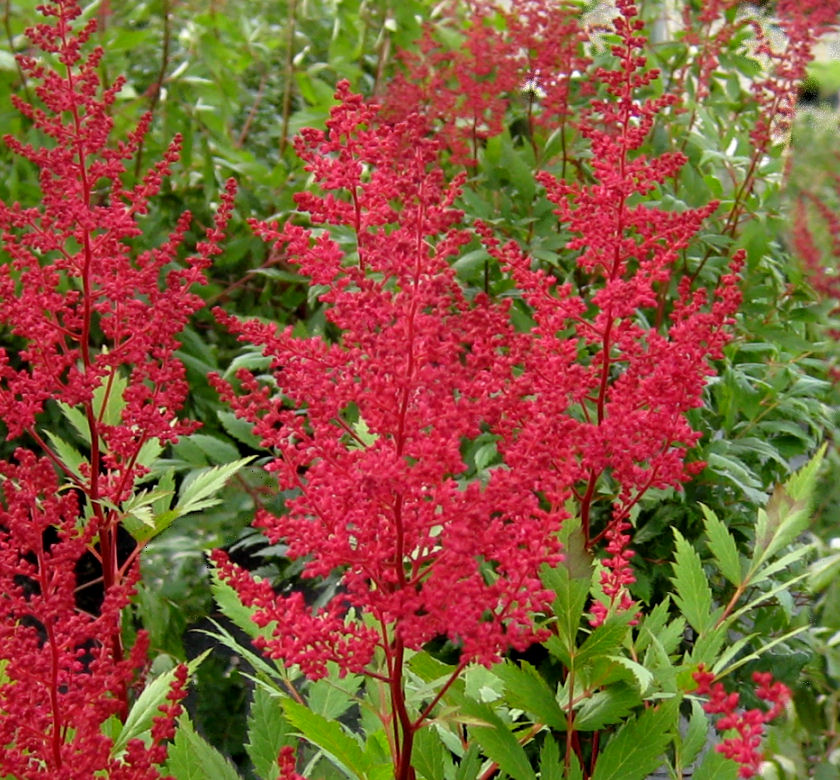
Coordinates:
[98,322]
[375,462]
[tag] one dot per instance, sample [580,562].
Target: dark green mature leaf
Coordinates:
[191,757]
[343,749]
[693,594]
[498,741]
[268,731]
[636,750]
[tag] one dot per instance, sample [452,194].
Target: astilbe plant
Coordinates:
[369,429]
[587,407]
[91,326]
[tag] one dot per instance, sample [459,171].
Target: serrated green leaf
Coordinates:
[67,453]
[267,732]
[643,677]
[191,757]
[605,640]
[715,766]
[241,430]
[696,735]
[527,690]
[498,742]
[636,750]
[77,419]
[114,386]
[231,607]
[342,749]
[606,707]
[430,758]
[693,595]
[551,765]
[333,696]
[199,492]
[722,546]
[469,765]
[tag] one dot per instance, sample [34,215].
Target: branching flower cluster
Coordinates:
[94,325]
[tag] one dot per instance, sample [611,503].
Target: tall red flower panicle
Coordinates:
[60,682]
[803,23]
[91,327]
[462,93]
[529,52]
[369,428]
[605,388]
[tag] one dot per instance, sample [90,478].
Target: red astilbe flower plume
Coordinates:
[91,328]
[605,390]
[745,748]
[528,51]
[60,682]
[369,429]
[803,23]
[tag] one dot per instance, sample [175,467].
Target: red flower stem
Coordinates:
[107,534]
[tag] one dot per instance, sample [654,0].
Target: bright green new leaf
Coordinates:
[146,708]
[200,492]
[527,690]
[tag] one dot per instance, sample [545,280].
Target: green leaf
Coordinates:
[333,696]
[693,594]
[498,742]
[139,517]
[114,385]
[342,749]
[470,764]
[67,453]
[241,430]
[636,750]
[606,707]
[696,735]
[605,640]
[527,690]
[722,546]
[191,757]
[430,757]
[715,766]
[199,492]
[267,732]
[551,765]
